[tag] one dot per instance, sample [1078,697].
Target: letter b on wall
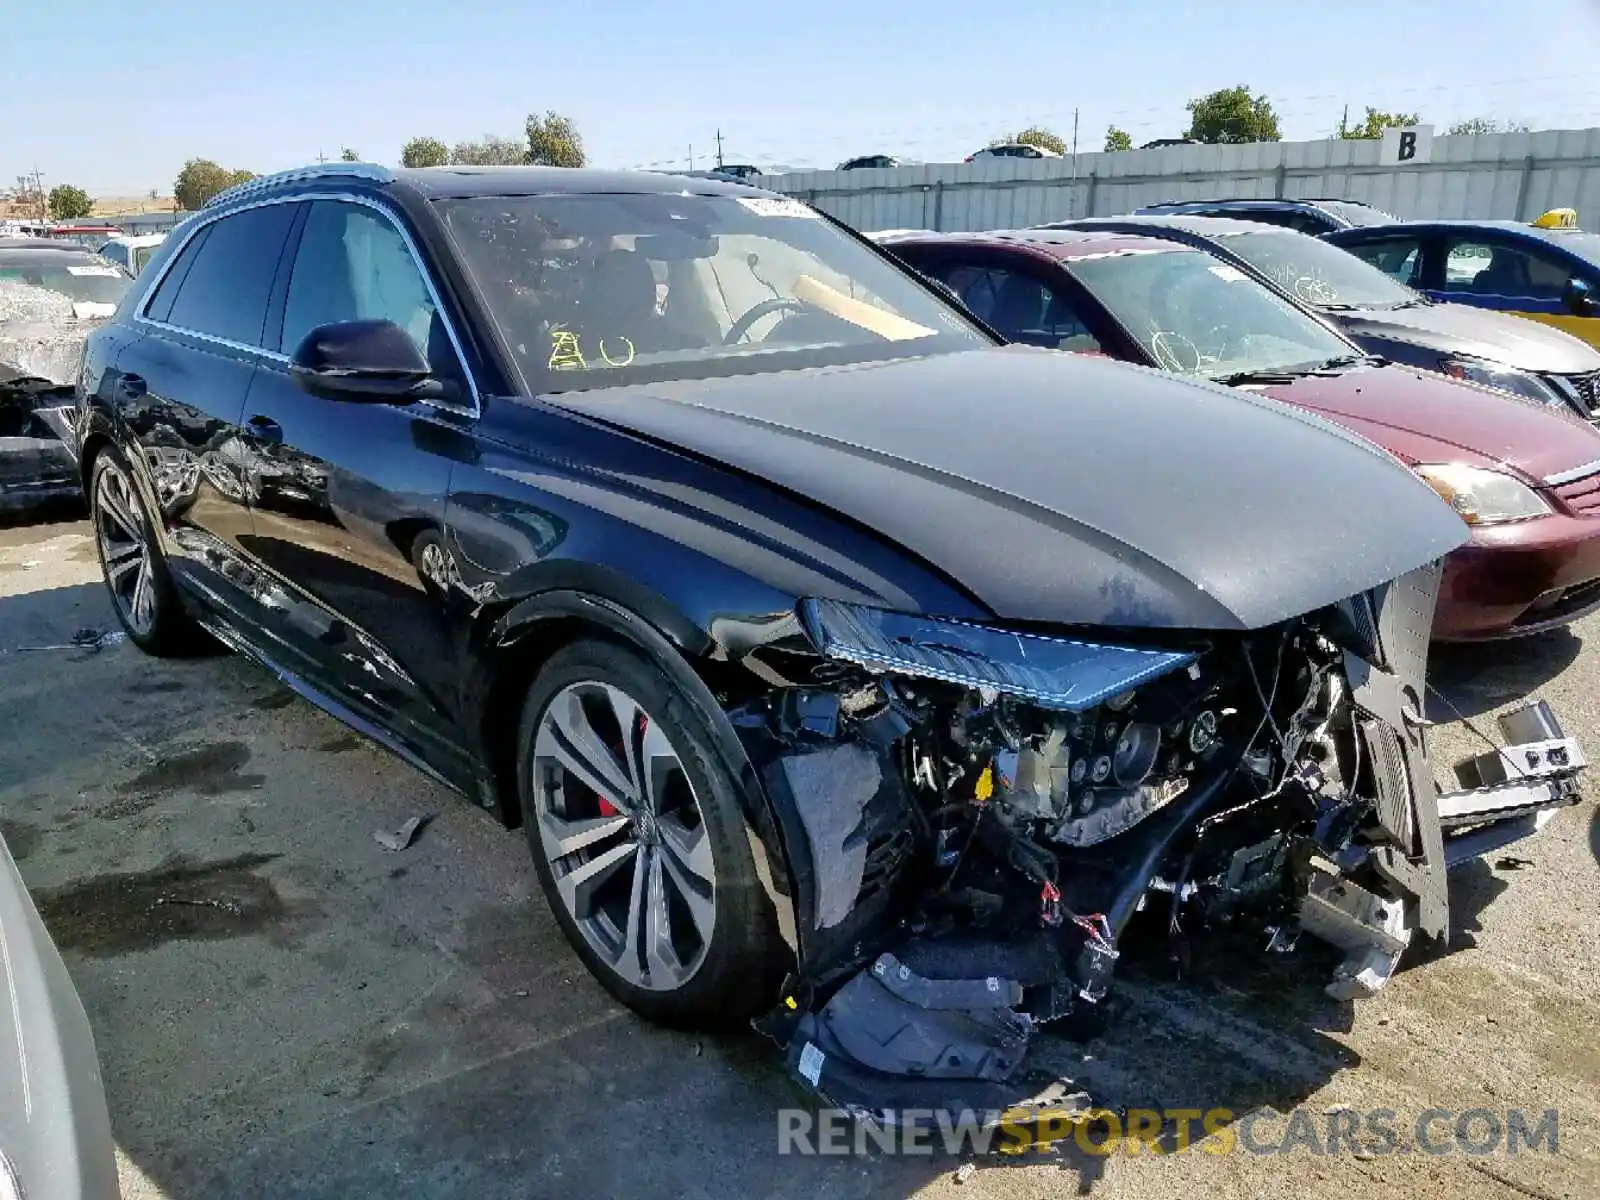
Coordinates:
[1405,147]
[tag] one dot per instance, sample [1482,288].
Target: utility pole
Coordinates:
[1073,191]
[321,157]
[691,156]
[719,149]
[38,192]
[1344,121]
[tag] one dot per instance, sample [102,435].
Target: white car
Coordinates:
[1013,150]
[132,252]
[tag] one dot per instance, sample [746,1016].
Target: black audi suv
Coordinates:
[843,666]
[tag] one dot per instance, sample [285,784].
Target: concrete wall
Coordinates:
[1502,175]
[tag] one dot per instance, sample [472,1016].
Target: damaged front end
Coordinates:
[974,815]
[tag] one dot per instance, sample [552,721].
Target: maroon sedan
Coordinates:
[1525,477]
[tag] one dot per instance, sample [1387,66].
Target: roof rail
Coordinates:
[334,170]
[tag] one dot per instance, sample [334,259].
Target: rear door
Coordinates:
[180,386]
[350,507]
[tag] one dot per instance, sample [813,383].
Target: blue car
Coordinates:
[1548,271]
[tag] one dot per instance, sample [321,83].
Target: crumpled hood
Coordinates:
[41,334]
[1460,329]
[1421,417]
[1063,489]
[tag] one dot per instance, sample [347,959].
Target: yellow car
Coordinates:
[1548,270]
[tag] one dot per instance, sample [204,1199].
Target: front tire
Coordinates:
[639,843]
[143,594]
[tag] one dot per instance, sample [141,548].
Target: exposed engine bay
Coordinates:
[986,811]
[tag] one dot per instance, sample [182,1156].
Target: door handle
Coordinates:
[265,429]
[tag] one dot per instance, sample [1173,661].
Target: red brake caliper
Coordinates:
[608,809]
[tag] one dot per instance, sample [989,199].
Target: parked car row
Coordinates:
[846,667]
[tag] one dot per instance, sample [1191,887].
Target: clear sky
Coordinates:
[114,95]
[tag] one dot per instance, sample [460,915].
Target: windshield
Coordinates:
[597,290]
[80,277]
[1316,271]
[1197,316]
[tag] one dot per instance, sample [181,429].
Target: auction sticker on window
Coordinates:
[774,206]
[1229,274]
[110,272]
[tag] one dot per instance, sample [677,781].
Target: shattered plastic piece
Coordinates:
[965,1172]
[402,837]
[91,640]
[811,1060]
[1055,673]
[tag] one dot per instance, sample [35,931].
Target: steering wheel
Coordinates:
[751,315]
[1170,349]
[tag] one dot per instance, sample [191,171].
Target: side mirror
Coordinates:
[373,362]
[1580,299]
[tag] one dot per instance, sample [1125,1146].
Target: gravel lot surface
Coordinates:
[284,1008]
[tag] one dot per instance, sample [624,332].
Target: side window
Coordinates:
[1311,223]
[354,265]
[1398,258]
[116,253]
[160,307]
[1498,269]
[1021,308]
[224,291]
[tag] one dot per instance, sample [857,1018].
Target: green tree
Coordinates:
[1232,115]
[1118,139]
[489,151]
[424,152]
[69,203]
[202,179]
[1374,125]
[1486,125]
[554,141]
[349,155]
[1033,136]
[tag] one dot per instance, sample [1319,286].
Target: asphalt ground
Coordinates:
[282,1007]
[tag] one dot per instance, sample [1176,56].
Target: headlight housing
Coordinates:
[1507,379]
[1482,496]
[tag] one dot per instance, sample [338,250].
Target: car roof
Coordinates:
[21,256]
[437,183]
[1158,223]
[1062,244]
[1515,228]
[33,243]
[1266,202]
[137,240]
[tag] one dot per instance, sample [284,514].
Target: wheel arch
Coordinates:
[519,641]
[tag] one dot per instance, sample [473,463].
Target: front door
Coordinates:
[1513,275]
[352,495]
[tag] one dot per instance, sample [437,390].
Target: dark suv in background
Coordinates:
[1308,216]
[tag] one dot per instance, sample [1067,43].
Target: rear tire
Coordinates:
[639,842]
[135,570]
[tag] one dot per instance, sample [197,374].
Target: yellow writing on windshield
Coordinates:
[564,352]
[625,352]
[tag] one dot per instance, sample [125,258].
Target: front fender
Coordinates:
[669,640]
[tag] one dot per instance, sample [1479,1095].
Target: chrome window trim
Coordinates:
[1581,471]
[474,410]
